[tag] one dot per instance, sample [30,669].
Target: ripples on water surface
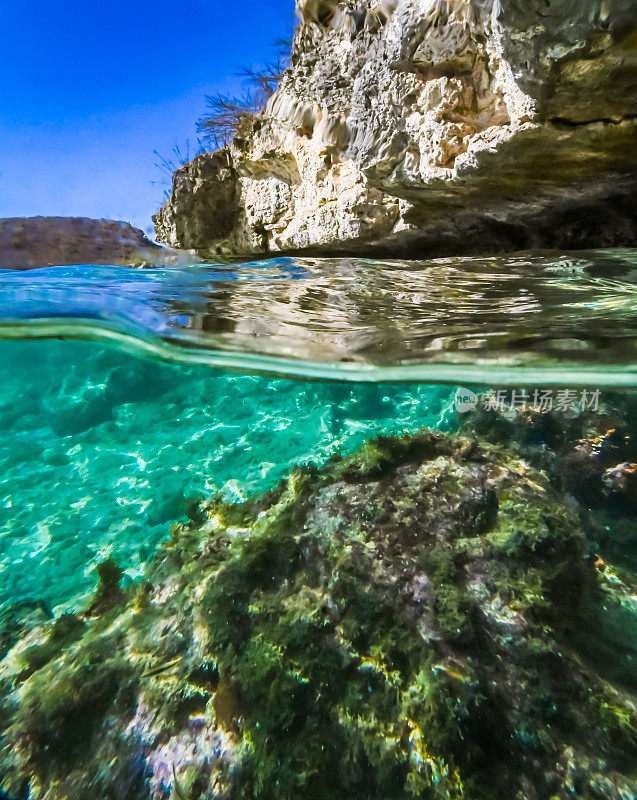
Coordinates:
[101,448]
[447,319]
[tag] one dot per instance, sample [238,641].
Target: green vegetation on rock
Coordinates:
[406,621]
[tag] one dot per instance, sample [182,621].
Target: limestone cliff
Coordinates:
[430,126]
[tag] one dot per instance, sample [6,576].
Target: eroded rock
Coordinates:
[433,127]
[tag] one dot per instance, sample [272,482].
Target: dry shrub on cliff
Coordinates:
[177,157]
[225,111]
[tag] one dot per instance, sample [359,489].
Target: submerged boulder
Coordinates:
[422,127]
[417,619]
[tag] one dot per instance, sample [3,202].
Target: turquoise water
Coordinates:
[432,617]
[105,440]
[536,317]
[100,450]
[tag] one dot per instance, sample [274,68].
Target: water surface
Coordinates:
[116,409]
[542,317]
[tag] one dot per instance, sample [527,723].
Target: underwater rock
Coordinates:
[578,451]
[18,618]
[407,128]
[29,242]
[406,621]
[588,454]
[622,481]
[108,593]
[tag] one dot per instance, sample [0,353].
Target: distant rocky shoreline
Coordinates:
[30,242]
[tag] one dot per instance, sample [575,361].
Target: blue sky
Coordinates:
[88,90]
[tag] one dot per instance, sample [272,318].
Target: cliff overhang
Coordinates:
[422,127]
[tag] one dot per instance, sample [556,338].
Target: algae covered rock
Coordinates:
[406,621]
[18,618]
[589,455]
[108,593]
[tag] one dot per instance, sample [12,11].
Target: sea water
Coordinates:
[125,393]
[127,396]
[101,450]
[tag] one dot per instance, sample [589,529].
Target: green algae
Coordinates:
[17,618]
[63,632]
[108,593]
[403,622]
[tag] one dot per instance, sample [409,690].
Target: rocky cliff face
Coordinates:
[430,126]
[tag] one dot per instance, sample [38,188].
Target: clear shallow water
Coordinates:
[101,448]
[349,634]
